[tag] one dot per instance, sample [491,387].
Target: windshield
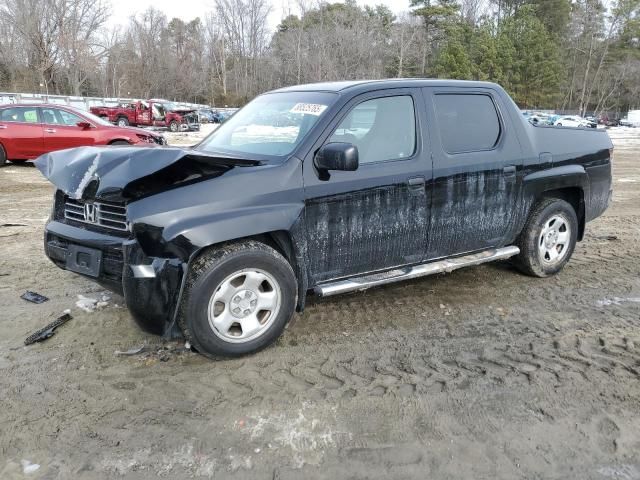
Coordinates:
[91,117]
[271,125]
[169,107]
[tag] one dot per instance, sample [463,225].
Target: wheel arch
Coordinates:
[284,243]
[567,182]
[115,140]
[574,196]
[4,150]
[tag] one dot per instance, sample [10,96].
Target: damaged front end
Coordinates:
[102,225]
[190,121]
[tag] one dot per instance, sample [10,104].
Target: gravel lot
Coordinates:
[482,373]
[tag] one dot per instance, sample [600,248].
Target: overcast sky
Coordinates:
[190,9]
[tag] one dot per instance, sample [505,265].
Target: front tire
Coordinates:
[3,156]
[238,299]
[174,126]
[548,238]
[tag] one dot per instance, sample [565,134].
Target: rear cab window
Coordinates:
[467,122]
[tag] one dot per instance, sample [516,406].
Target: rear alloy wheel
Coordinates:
[548,239]
[238,298]
[122,122]
[174,126]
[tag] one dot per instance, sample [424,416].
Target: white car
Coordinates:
[571,121]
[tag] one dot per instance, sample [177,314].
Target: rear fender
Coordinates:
[561,182]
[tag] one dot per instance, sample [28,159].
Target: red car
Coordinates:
[28,131]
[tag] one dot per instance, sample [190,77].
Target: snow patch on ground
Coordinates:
[307,438]
[606,302]
[89,304]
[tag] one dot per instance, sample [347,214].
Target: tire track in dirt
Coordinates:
[401,371]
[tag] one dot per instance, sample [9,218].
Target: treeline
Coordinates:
[562,54]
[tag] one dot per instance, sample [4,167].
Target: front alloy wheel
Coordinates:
[244,305]
[238,298]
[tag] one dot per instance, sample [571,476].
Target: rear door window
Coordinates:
[19,114]
[467,122]
[382,129]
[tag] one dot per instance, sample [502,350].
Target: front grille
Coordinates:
[100,214]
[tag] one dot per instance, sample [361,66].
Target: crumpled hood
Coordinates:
[122,174]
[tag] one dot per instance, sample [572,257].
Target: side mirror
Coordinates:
[84,125]
[337,156]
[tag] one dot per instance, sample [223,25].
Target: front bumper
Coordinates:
[190,127]
[150,285]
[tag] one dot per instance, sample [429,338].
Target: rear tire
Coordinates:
[3,156]
[548,238]
[238,299]
[122,122]
[120,142]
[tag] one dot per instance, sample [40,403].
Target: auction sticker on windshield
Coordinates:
[308,108]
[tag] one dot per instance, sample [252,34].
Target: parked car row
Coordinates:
[590,121]
[208,115]
[30,130]
[539,118]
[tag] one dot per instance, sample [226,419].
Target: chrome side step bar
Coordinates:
[440,266]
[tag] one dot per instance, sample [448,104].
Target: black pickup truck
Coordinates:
[330,188]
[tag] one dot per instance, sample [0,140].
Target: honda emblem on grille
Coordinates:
[90,213]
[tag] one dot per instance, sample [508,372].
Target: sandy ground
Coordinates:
[479,374]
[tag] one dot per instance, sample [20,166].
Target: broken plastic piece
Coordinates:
[48,331]
[33,297]
[131,351]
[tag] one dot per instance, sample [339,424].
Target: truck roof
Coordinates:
[364,85]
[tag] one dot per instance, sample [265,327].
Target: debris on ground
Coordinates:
[13,225]
[48,330]
[131,351]
[89,304]
[33,297]
[28,467]
[151,354]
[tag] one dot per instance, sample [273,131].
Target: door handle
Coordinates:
[416,185]
[50,130]
[416,181]
[509,172]
[3,127]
